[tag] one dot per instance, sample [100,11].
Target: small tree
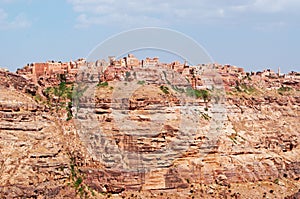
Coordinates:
[127,75]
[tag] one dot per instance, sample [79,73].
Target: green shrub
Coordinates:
[37,98]
[48,90]
[141,82]
[284,89]
[69,115]
[102,84]
[245,88]
[127,75]
[164,89]
[77,179]
[78,182]
[203,94]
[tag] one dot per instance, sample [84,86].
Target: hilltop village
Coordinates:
[47,73]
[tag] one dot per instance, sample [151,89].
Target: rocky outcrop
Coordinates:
[33,160]
[20,83]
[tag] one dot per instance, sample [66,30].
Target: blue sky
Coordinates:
[254,34]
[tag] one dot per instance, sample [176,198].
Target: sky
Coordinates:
[254,34]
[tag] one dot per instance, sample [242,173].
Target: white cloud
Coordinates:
[268,6]
[277,5]
[19,21]
[157,12]
[137,12]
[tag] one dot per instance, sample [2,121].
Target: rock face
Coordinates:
[258,140]
[256,144]
[20,83]
[142,138]
[32,157]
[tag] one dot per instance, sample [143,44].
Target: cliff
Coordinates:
[142,144]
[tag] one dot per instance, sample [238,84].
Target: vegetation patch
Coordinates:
[38,98]
[245,88]
[203,94]
[63,96]
[164,89]
[102,84]
[77,180]
[127,75]
[284,89]
[141,82]
[59,95]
